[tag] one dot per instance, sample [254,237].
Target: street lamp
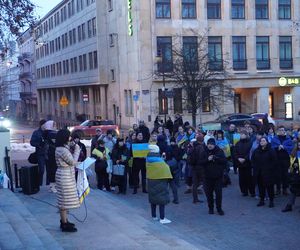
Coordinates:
[160,59]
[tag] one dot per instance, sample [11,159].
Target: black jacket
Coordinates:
[264,162]
[117,154]
[242,150]
[38,141]
[198,156]
[215,169]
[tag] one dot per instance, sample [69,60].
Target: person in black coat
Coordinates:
[38,141]
[177,123]
[145,131]
[119,156]
[242,161]
[197,160]
[170,125]
[294,178]
[138,165]
[213,175]
[264,162]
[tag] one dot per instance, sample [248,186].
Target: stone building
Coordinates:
[260,40]
[27,77]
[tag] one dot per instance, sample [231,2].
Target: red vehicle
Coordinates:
[88,128]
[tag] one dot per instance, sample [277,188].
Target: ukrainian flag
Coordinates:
[181,139]
[224,145]
[156,168]
[140,150]
[236,138]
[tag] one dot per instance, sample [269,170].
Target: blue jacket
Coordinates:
[287,144]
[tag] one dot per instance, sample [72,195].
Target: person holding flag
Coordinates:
[233,137]
[139,151]
[158,175]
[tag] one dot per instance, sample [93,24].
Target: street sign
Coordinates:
[85,98]
[135,98]
[64,101]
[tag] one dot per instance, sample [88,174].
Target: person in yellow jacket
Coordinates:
[294,173]
[102,155]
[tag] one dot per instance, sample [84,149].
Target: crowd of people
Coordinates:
[266,161]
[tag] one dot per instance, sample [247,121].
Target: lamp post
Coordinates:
[159,59]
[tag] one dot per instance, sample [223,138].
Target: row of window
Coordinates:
[215,54]
[72,65]
[188,9]
[67,11]
[68,39]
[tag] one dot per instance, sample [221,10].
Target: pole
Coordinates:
[165,102]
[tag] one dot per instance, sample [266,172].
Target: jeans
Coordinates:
[41,164]
[161,211]
[198,175]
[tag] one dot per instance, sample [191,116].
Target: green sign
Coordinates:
[287,81]
[130,19]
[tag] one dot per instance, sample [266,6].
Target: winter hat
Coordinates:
[42,122]
[211,141]
[153,148]
[120,140]
[49,125]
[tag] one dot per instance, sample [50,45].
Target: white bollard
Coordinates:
[4,142]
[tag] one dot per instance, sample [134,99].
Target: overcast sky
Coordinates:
[44,6]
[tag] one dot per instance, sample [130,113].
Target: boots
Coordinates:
[288,208]
[69,223]
[65,227]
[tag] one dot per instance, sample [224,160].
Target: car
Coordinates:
[262,116]
[87,129]
[236,119]
[4,122]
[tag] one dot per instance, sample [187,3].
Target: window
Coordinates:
[79,5]
[112,75]
[164,49]
[162,102]
[80,64]
[58,43]
[284,9]
[75,64]
[84,59]
[79,33]
[238,9]
[74,35]
[63,40]
[89,26]
[72,65]
[95,60]
[205,99]
[58,68]
[94,27]
[214,9]
[163,9]
[285,49]
[188,8]
[53,70]
[91,60]
[83,31]
[262,52]
[262,9]
[215,53]
[239,52]
[177,100]
[70,37]
[190,53]
[110,5]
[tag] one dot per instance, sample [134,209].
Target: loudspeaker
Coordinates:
[30,179]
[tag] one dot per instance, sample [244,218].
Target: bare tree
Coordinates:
[15,16]
[200,74]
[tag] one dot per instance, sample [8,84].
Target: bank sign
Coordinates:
[287,81]
[130,19]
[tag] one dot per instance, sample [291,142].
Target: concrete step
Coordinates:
[25,231]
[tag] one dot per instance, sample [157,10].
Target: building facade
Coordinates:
[67,69]
[259,40]
[27,77]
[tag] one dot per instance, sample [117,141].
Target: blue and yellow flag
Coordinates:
[181,139]
[156,168]
[292,160]
[236,138]
[224,145]
[140,150]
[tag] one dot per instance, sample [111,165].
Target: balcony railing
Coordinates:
[286,64]
[239,64]
[262,64]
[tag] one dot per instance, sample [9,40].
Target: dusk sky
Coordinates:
[44,6]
